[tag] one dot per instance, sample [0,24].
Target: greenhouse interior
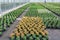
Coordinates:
[29,19]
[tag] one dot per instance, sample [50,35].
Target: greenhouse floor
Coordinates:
[54,34]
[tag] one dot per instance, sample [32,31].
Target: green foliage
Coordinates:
[49,19]
[9,18]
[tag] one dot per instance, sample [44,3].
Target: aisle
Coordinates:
[54,34]
[6,34]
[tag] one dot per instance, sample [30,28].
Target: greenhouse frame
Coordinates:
[29,19]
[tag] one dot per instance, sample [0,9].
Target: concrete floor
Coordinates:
[54,34]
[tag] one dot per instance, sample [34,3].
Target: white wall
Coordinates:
[30,0]
[44,0]
[36,0]
[6,1]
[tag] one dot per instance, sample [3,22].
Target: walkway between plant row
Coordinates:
[54,34]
